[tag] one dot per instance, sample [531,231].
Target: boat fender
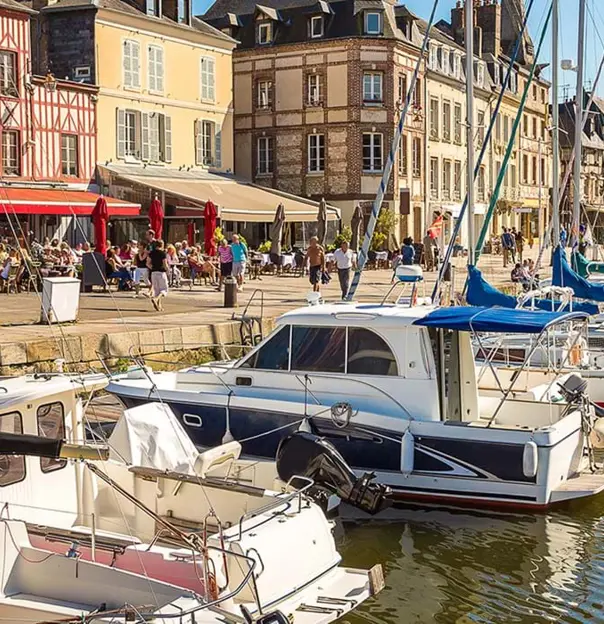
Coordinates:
[530,459]
[407,452]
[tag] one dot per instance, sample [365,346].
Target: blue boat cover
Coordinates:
[563,275]
[481,293]
[496,320]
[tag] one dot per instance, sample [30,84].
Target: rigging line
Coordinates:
[483,150]
[395,146]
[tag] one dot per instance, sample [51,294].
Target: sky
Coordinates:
[569,10]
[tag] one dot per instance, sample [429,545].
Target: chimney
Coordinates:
[488,18]
[36,5]
[478,41]
[458,22]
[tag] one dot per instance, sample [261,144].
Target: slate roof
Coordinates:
[247,7]
[16,6]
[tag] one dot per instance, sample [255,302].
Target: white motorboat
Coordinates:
[395,390]
[223,530]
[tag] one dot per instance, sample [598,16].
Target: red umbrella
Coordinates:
[100,216]
[209,225]
[191,233]
[156,217]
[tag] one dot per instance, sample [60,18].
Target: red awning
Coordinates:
[59,202]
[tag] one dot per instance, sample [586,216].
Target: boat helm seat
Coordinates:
[217,461]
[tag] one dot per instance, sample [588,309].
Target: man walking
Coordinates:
[315,256]
[239,251]
[508,244]
[344,261]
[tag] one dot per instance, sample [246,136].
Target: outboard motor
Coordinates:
[307,455]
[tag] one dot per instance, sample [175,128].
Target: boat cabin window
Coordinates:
[12,467]
[319,349]
[51,424]
[273,355]
[369,354]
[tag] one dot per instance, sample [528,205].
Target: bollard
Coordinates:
[230,292]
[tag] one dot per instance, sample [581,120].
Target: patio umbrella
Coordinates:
[191,233]
[156,217]
[277,230]
[209,225]
[355,226]
[100,216]
[322,222]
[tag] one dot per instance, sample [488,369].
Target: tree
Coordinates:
[384,226]
[344,236]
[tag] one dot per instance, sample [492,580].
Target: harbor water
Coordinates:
[460,567]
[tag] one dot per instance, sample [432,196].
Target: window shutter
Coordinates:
[127,64]
[218,149]
[167,139]
[204,80]
[211,80]
[121,133]
[198,140]
[154,137]
[159,69]
[151,69]
[136,82]
[145,143]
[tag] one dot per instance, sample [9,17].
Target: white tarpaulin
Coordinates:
[150,436]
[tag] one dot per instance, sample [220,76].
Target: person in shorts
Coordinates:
[315,257]
[239,251]
[225,256]
[157,263]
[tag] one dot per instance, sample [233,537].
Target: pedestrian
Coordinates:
[407,251]
[344,259]
[239,250]
[150,239]
[157,263]
[315,257]
[141,271]
[225,255]
[430,251]
[508,244]
[563,236]
[519,243]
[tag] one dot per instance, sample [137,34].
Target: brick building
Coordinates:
[318,89]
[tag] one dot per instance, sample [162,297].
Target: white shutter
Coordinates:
[121,133]
[198,143]
[211,80]
[167,139]
[145,142]
[159,69]
[208,91]
[136,81]
[218,149]
[152,76]
[127,64]
[154,137]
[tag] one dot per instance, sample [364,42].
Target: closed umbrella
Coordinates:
[209,225]
[191,233]
[355,226]
[156,217]
[322,222]
[100,216]
[277,232]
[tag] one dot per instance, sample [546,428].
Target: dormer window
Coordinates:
[265,33]
[184,12]
[315,27]
[373,23]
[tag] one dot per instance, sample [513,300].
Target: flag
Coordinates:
[436,229]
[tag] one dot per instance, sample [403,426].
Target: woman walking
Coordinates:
[225,255]
[157,263]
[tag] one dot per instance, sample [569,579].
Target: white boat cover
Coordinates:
[150,436]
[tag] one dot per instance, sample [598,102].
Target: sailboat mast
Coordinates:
[556,126]
[469,37]
[578,124]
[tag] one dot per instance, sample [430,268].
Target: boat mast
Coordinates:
[578,125]
[556,128]
[469,37]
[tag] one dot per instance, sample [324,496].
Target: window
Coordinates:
[480,128]
[131,63]
[153,7]
[372,87]
[145,136]
[543,129]
[433,58]
[525,169]
[481,184]
[265,33]
[543,96]
[316,153]
[525,125]
[498,128]
[402,88]
[457,180]
[434,118]
[535,92]
[372,152]
[205,136]
[69,154]
[11,153]
[208,79]
[273,354]
[51,424]
[156,69]
[514,82]
[542,172]
[316,27]
[265,95]
[373,23]
[131,134]
[506,128]
[446,120]
[403,163]
[314,90]
[369,354]
[457,124]
[479,67]
[319,349]
[265,155]
[439,59]
[496,75]
[417,94]
[534,170]
[513,177]
[446,179]
[12,467]
[457,66]
[434,178]
[417,158]
[184,12]
[8,74]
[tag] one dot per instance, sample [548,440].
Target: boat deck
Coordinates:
[579,486]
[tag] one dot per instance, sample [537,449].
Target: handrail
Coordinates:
[244,314]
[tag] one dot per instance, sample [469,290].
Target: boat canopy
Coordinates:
[563,275]
[496,320]
[481,293]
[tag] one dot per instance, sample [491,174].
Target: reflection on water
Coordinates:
[453,567]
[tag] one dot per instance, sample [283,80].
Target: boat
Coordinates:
[226,531]
[395,389]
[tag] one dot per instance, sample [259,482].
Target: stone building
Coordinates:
[318,90]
